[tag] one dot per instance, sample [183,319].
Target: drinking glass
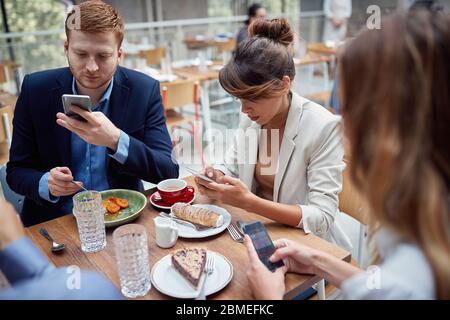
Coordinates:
[131,248]
[89,212]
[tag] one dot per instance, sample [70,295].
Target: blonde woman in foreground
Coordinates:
[396,97]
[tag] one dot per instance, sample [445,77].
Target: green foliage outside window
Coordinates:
[35,52]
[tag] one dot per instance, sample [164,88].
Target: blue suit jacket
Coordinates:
[40,144]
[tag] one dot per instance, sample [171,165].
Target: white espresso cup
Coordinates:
[166,232]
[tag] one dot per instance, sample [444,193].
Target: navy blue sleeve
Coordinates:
[21,175]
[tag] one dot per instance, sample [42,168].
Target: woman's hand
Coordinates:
[296,257]
[303,259]
[264,284]
[212,173]
[228,190]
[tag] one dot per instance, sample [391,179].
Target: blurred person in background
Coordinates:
[337,13]
[255,11]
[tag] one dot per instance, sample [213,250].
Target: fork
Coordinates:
[235,234]
[209,270]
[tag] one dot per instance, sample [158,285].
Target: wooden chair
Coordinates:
[7,104]
[225,49]
[225,46]
[153,57]
[181,94]
[6,114]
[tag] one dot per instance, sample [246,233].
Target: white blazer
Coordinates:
[310,166]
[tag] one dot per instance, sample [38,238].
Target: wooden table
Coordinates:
[196,44]
[64,230]
[194,72]
[311,60]
[322,49]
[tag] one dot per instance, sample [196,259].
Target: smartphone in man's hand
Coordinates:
[263,244]
[84,102]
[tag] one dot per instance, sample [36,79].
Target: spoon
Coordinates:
[56,247]
[80,185]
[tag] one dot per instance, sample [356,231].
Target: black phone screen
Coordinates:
[263,244]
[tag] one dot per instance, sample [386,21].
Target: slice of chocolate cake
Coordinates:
[190,263]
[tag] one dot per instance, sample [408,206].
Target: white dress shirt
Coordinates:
[404,273]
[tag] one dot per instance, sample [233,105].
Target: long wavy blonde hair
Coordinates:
[396,108]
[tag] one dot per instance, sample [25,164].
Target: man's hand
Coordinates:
[60,182]
[98,130]
[265,285]
[10,226]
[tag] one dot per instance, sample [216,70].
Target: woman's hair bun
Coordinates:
[277,30]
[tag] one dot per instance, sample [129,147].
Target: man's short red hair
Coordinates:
[95,16]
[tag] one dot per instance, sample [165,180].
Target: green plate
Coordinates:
[136,203]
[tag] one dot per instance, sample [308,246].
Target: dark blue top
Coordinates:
[31,276]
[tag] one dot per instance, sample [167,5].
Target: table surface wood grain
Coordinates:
[64,230]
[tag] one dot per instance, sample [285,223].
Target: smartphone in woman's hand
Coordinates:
[199,174]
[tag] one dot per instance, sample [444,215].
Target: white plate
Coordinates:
[170,282]
[189,232]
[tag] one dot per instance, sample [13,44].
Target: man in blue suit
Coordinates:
[122,141]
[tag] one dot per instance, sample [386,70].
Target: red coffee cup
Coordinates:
[174,190]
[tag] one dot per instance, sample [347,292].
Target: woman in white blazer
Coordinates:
[298,181]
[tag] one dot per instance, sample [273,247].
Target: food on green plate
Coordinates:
[114,205]
[123,203]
